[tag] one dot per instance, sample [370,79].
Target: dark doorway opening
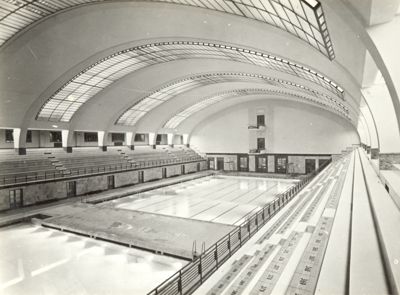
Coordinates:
[141,176]
[71,189]
[262,164]
[110,181]
[243,163]
[16,198]
[220,163]
[310,165]
[322,162]
[281,164]
[211,165]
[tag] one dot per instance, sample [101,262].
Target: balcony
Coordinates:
[256,127]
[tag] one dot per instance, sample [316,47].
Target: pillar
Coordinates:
[170,138]
[185,138]
[67,138]
[102,140]
[129,140]
[152,139]
[19,136]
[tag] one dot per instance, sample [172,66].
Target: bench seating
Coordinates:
[387,220]
[49,163]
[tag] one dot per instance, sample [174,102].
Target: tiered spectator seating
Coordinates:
[184,153]
[42,164]
[146,156]
[24,168]
[87,160]
[347,224]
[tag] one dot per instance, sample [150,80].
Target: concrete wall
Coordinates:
[91,184]
[44,192]
[297,162]
[177,139]
[173,171]
[386,161]
[290,128]
[37,193]
[10,145]
[44,139]
[80,140]
[270,164]
[190,168]
[227,133]
[252,163]
[40,138]
[230,161]
[152,174]
[145,142]
[127,178]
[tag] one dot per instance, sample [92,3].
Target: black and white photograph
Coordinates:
[205,147]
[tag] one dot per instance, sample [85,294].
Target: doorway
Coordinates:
[322,162]
[110,181]
[140,176]
[310,165]
[262,163]
[220,163]
[182,169]
[164,172]
[16,198]
[211,165]
[71,189]
[281,164]
[243,163]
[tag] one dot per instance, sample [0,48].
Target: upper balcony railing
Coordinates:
[48,175]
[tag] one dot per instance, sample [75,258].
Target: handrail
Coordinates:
[191,276]
[87,170]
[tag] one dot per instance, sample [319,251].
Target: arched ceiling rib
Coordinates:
[301,18]
[182,115]
[63,104]
[145,105]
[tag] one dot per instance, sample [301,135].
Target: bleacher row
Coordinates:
[339,241]
[42,164]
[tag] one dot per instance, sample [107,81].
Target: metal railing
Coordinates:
[191,276]
[26,177]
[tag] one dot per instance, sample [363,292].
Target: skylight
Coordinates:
[63,104]
[131,116]
[302,18]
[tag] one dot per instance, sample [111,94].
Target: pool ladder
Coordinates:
[196,254]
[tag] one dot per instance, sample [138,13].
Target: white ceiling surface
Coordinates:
[192,124]
[374,12]
[39,61]
[163,113]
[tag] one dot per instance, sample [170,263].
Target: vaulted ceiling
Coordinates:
[114,65]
